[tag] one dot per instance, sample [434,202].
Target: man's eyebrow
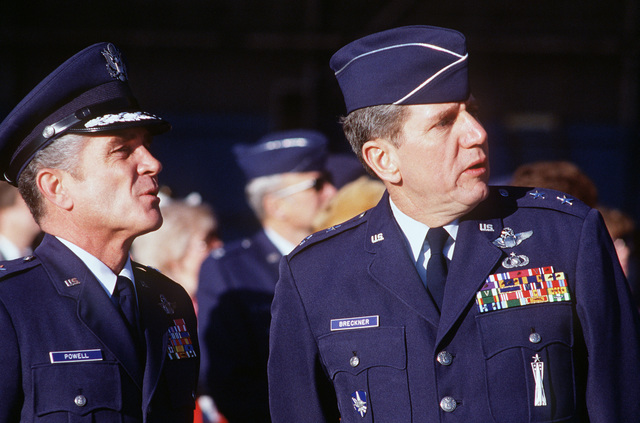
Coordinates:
[445,113]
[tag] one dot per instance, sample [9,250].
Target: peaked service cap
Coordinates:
[405,65]
[297,150]
[88,93]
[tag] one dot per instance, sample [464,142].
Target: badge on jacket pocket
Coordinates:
[359,400]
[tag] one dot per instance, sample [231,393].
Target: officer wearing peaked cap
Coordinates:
[450,300]
[286,188]
[86,333]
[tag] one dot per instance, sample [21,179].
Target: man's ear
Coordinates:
[51,184]
[380,155]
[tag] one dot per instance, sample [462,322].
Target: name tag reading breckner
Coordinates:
[75,356]
[355,323]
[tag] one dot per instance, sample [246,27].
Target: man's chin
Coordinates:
[153,225]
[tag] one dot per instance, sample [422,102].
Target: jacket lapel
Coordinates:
[391,264]
[94,307]
[473,260]
[154,322]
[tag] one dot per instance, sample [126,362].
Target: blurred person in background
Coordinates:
[352,199]
[559,175]
[178,248]
[18,230]
[287,186]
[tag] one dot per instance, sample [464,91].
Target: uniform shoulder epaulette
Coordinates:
[231,248]
[11,267]
[328,233]
[544,198]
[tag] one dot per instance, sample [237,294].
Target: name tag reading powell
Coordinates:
[75,356]
[355,323]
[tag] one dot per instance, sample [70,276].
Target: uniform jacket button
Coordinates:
[445,358]
[80,400]
[448,404]
[535,338]
[354,361]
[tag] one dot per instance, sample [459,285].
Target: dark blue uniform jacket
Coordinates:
[378,360]
[67,356]
[234,305]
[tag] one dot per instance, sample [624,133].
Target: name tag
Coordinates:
[355,323]
[75,356]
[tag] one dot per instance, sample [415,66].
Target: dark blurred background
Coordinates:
[555,79]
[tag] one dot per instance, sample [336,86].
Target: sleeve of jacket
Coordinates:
[610,326]
[11,396]
[299,390]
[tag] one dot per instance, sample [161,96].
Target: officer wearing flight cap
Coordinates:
[88,335]
[450,300]
[286,187]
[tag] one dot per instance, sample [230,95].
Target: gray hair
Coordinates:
[256,190]
[63,154]
[368,123]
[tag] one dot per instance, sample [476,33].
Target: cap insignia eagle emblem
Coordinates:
[115,64]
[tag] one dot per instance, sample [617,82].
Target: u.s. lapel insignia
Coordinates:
[486,227]
[166,305]
[377,238]
[359,400]
[509,239]
[515,261]
[72,282]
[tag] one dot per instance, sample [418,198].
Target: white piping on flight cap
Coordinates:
[431,46]
[419,87]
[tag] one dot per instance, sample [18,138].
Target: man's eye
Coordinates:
[123,150]
[446,122]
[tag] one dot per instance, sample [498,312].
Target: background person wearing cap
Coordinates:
[87,334]
[419,310]
[286,188]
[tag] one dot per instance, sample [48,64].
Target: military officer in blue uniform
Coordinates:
[88,335]
[450,301]
[286,187]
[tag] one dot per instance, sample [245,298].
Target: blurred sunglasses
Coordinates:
[316,183]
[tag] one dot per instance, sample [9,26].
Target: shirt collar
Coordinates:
[100,270]
[284,246]
[415,232]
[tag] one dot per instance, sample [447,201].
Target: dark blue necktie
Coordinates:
[124,297]
[437,265]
